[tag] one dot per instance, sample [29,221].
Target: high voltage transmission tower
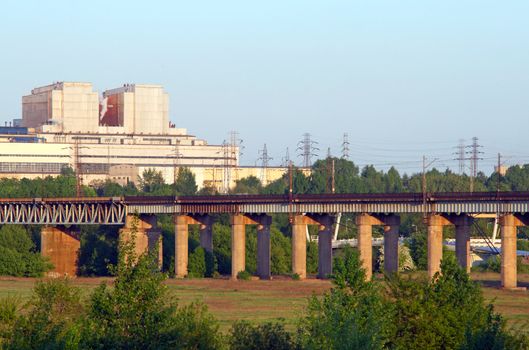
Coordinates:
[474,157]
[307,150]
[286,159]
[265,159]
[232,151]
[461,156]
[345,146]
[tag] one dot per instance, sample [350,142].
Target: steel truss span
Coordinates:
[113,210]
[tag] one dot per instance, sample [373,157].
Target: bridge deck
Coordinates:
[112,210]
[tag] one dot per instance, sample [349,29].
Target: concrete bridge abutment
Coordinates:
[147,235]
[61,245]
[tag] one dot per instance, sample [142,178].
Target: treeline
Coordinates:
[137,312]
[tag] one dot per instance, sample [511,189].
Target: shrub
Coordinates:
[9,308]
[50,320]
[272,336]
[244,275]
[197,263]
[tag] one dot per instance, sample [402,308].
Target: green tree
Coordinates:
[353,315]
[152,182]
[197,263]
[448,312]
[185,182]
[135,314]
[17,253]
[248,185]
[51,319]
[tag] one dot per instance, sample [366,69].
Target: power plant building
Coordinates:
[116,137]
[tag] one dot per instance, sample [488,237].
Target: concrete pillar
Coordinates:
[508,252]
[147,234]
[365,241]
[299,246]
[238,244]
[62,248]
[206,236]
[391,244]
[435,244]
[181,245]
[462,225]
[325,247]
[263,252]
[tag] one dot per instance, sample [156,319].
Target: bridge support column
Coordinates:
[61,246]
[364,223]
[148,236]
[324,245]
[391,244]
[462,226]
[182,223]
[435,243]
[263,246]
[206,233]
[181,245]
[299,246]
[238,244]
[508,251]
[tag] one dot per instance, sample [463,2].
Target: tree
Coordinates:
[447,312]
[151,180]
[197,263]
[248,185]
[353,315]
[51,318]
[17,254]
[185,182]
[135,313]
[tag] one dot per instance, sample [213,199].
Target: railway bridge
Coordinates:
[60,215]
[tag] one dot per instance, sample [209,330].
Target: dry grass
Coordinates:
[279,299]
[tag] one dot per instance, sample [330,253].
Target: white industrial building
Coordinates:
[116,136]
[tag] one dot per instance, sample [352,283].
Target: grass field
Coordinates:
[279,299]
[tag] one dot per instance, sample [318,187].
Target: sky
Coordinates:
[402,78]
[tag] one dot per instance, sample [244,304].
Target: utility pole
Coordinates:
[290,192]
[498,171]
[332,184]
[78,178]
[424,197]
[176,163]
[329,167]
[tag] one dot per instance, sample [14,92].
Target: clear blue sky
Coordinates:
[403,78]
